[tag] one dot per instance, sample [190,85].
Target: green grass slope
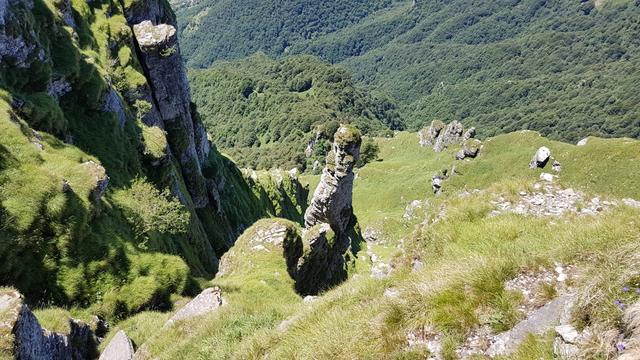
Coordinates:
[137,245]
[264,112]
[467,255]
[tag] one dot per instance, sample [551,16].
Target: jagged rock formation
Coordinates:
[26,339]
[429,135]
[331,202]
[441,136]
[329,221]
[540,158]
[119,348]
[450,135]
[207,301]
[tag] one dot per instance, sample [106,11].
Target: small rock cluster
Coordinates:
[379,269]
[551,200]
[441,136]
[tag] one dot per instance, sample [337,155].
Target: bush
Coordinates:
[368,152]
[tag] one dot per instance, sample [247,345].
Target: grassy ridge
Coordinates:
[357,320]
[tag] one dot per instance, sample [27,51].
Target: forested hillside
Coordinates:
[567,69]
[225,29]
[267,113]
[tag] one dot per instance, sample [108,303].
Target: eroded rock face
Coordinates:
[450,135]
[160,56]
[119,348]
[28,340]
[330,223]
[332,199]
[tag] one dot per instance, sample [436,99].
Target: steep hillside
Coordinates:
[566,69]
[283,113]
[446,274]
[111,195]
[243,28]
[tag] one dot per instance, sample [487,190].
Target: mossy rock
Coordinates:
[347,135]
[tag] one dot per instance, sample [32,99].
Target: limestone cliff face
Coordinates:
[158,50]
[332,199]
[330,225]
[28,340]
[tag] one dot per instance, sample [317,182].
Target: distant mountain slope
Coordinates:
[265,112]
[567,69]
[224,29]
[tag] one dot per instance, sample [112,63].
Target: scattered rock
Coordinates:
[565,351]
[546,177]
[391,293]
[540,158]
[371,234]
[416,265]
[632,203]
[101,178]
[551,200]
[410,210]
[207,301]
[556,166]
[477,342]
[436,184]
[568,333]
[309,299]
[119,348]
[538,323]
[428,338]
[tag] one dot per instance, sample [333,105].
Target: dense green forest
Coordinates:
[265,112]
[226,29]
[567,69]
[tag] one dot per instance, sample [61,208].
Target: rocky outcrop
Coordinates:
[538,323]
[26,339]
[159,54]
[470,149]
[332,199]
[119,348]
[540,158]
[429,135]
[450,135]
[101,179]
[330,225]
[441,136]
[206,302]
